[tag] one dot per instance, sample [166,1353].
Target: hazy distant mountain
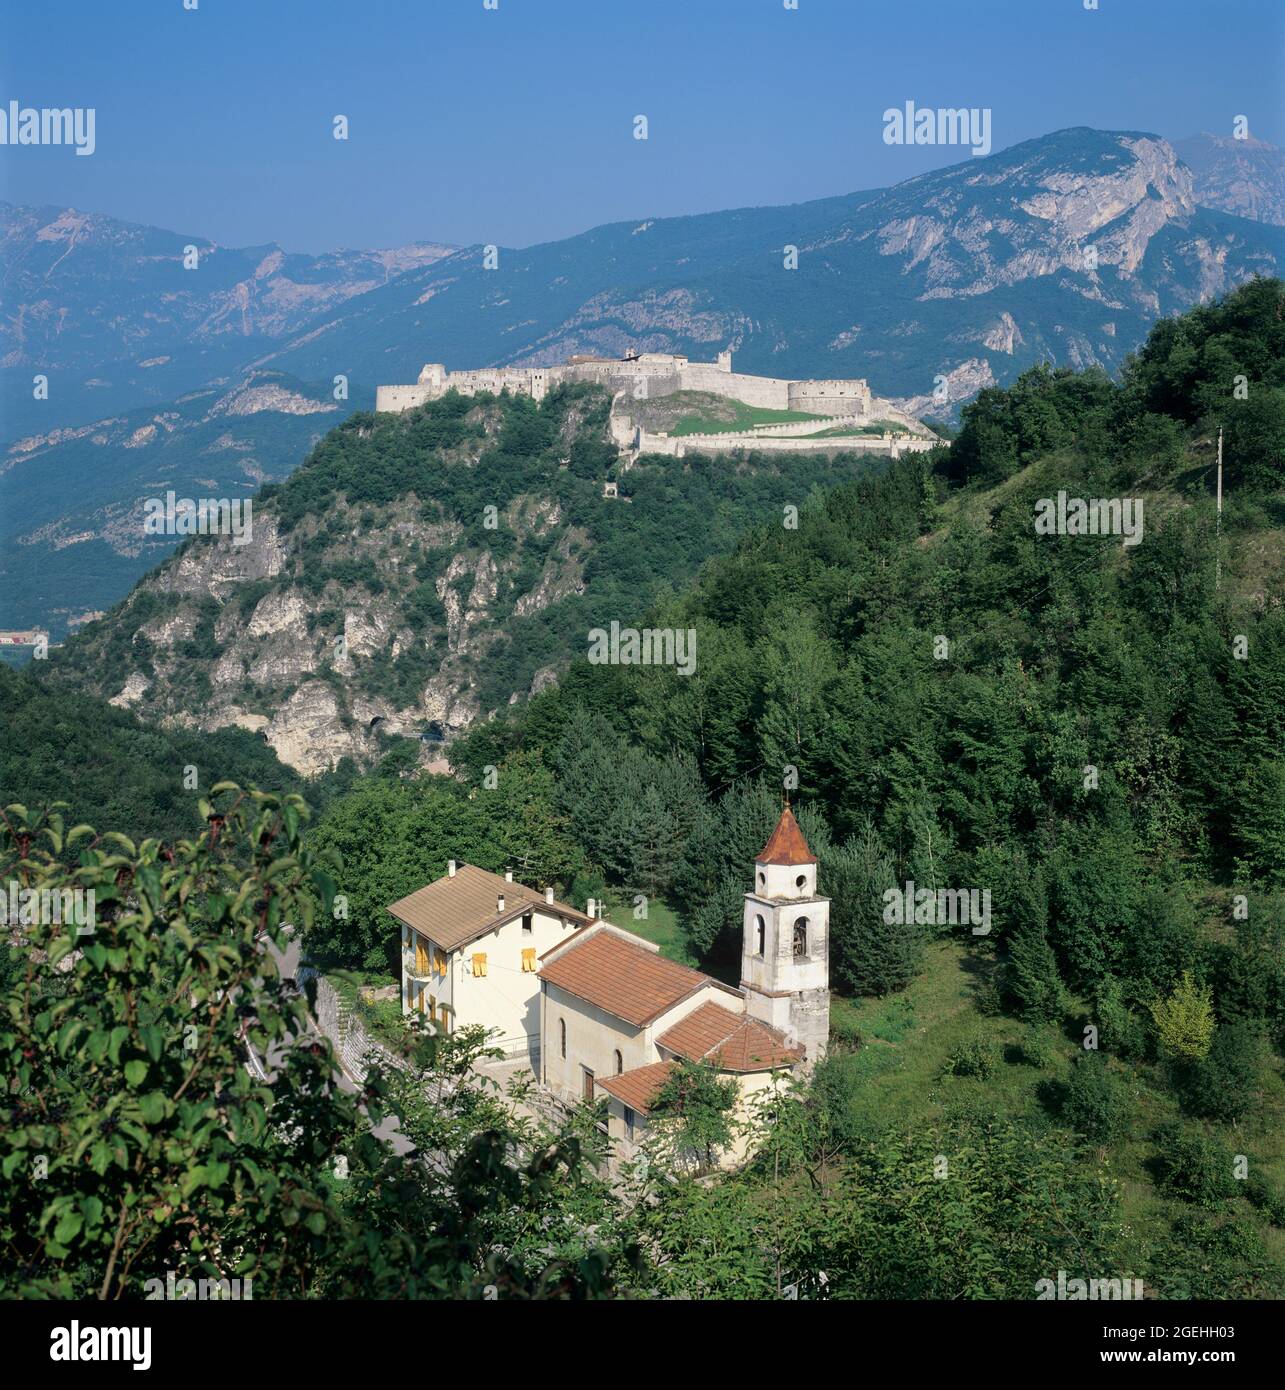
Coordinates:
[1063,248]
[1246,177]
[71,527]
[109,312]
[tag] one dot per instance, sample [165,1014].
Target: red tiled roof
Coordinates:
[629,981]
[731,1042]
[755,1046]
[787,845]
[637,1088]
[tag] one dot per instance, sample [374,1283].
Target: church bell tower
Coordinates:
[785,954]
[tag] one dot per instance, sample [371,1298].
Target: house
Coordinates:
[471,943]
[616,1016]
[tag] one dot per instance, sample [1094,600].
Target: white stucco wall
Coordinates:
[594,1036]
[506,999]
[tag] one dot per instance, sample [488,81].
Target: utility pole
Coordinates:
[1218,524]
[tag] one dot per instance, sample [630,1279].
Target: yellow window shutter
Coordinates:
[528,958]
[441,963]
[479,963]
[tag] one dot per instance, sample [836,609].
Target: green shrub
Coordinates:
[1035,1052]
[1095,1104]
[1267,1199]
[976,1057]
[1222,1085]
[1193,1165]
[1120,1030]
[1213,1257]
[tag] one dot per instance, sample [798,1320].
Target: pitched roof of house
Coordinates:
[637,1088]
[786,845]
[451,912]
[730,1041]
[624,978]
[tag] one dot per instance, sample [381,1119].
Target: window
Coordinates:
[801,937]
[801,880]
[760,935]
[432,1008]
[421,957]
[441,1018]
[629,1124]
[479,963]
[586,1085]
[527,922]
[528,959]
[762,878]
[620,1062]
[562,1036]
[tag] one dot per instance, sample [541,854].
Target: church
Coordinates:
[604,1014]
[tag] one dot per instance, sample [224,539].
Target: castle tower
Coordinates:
[785,952]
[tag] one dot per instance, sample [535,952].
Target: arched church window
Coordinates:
[760,935]
[762,878]
[620,1062]
[801,880]
[801,936]
[562,1035]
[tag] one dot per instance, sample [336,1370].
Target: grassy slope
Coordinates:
[908,1037]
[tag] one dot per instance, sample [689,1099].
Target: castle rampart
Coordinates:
[645,376]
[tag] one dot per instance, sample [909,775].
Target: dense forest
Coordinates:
[1092,733]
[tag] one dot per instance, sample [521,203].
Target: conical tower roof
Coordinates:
[786,845]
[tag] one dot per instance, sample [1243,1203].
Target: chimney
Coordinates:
[499,903]
[450,868]
[548,895]
[508,875]
[589,910]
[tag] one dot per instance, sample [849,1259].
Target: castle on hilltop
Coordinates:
[642,375]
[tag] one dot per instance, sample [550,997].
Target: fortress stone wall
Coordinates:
[678,446]
[644,376]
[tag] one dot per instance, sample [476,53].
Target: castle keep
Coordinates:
[644,376]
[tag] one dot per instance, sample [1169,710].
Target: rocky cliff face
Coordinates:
[419,572]
[291,664]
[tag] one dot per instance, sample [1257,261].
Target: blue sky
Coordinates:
[515,125]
